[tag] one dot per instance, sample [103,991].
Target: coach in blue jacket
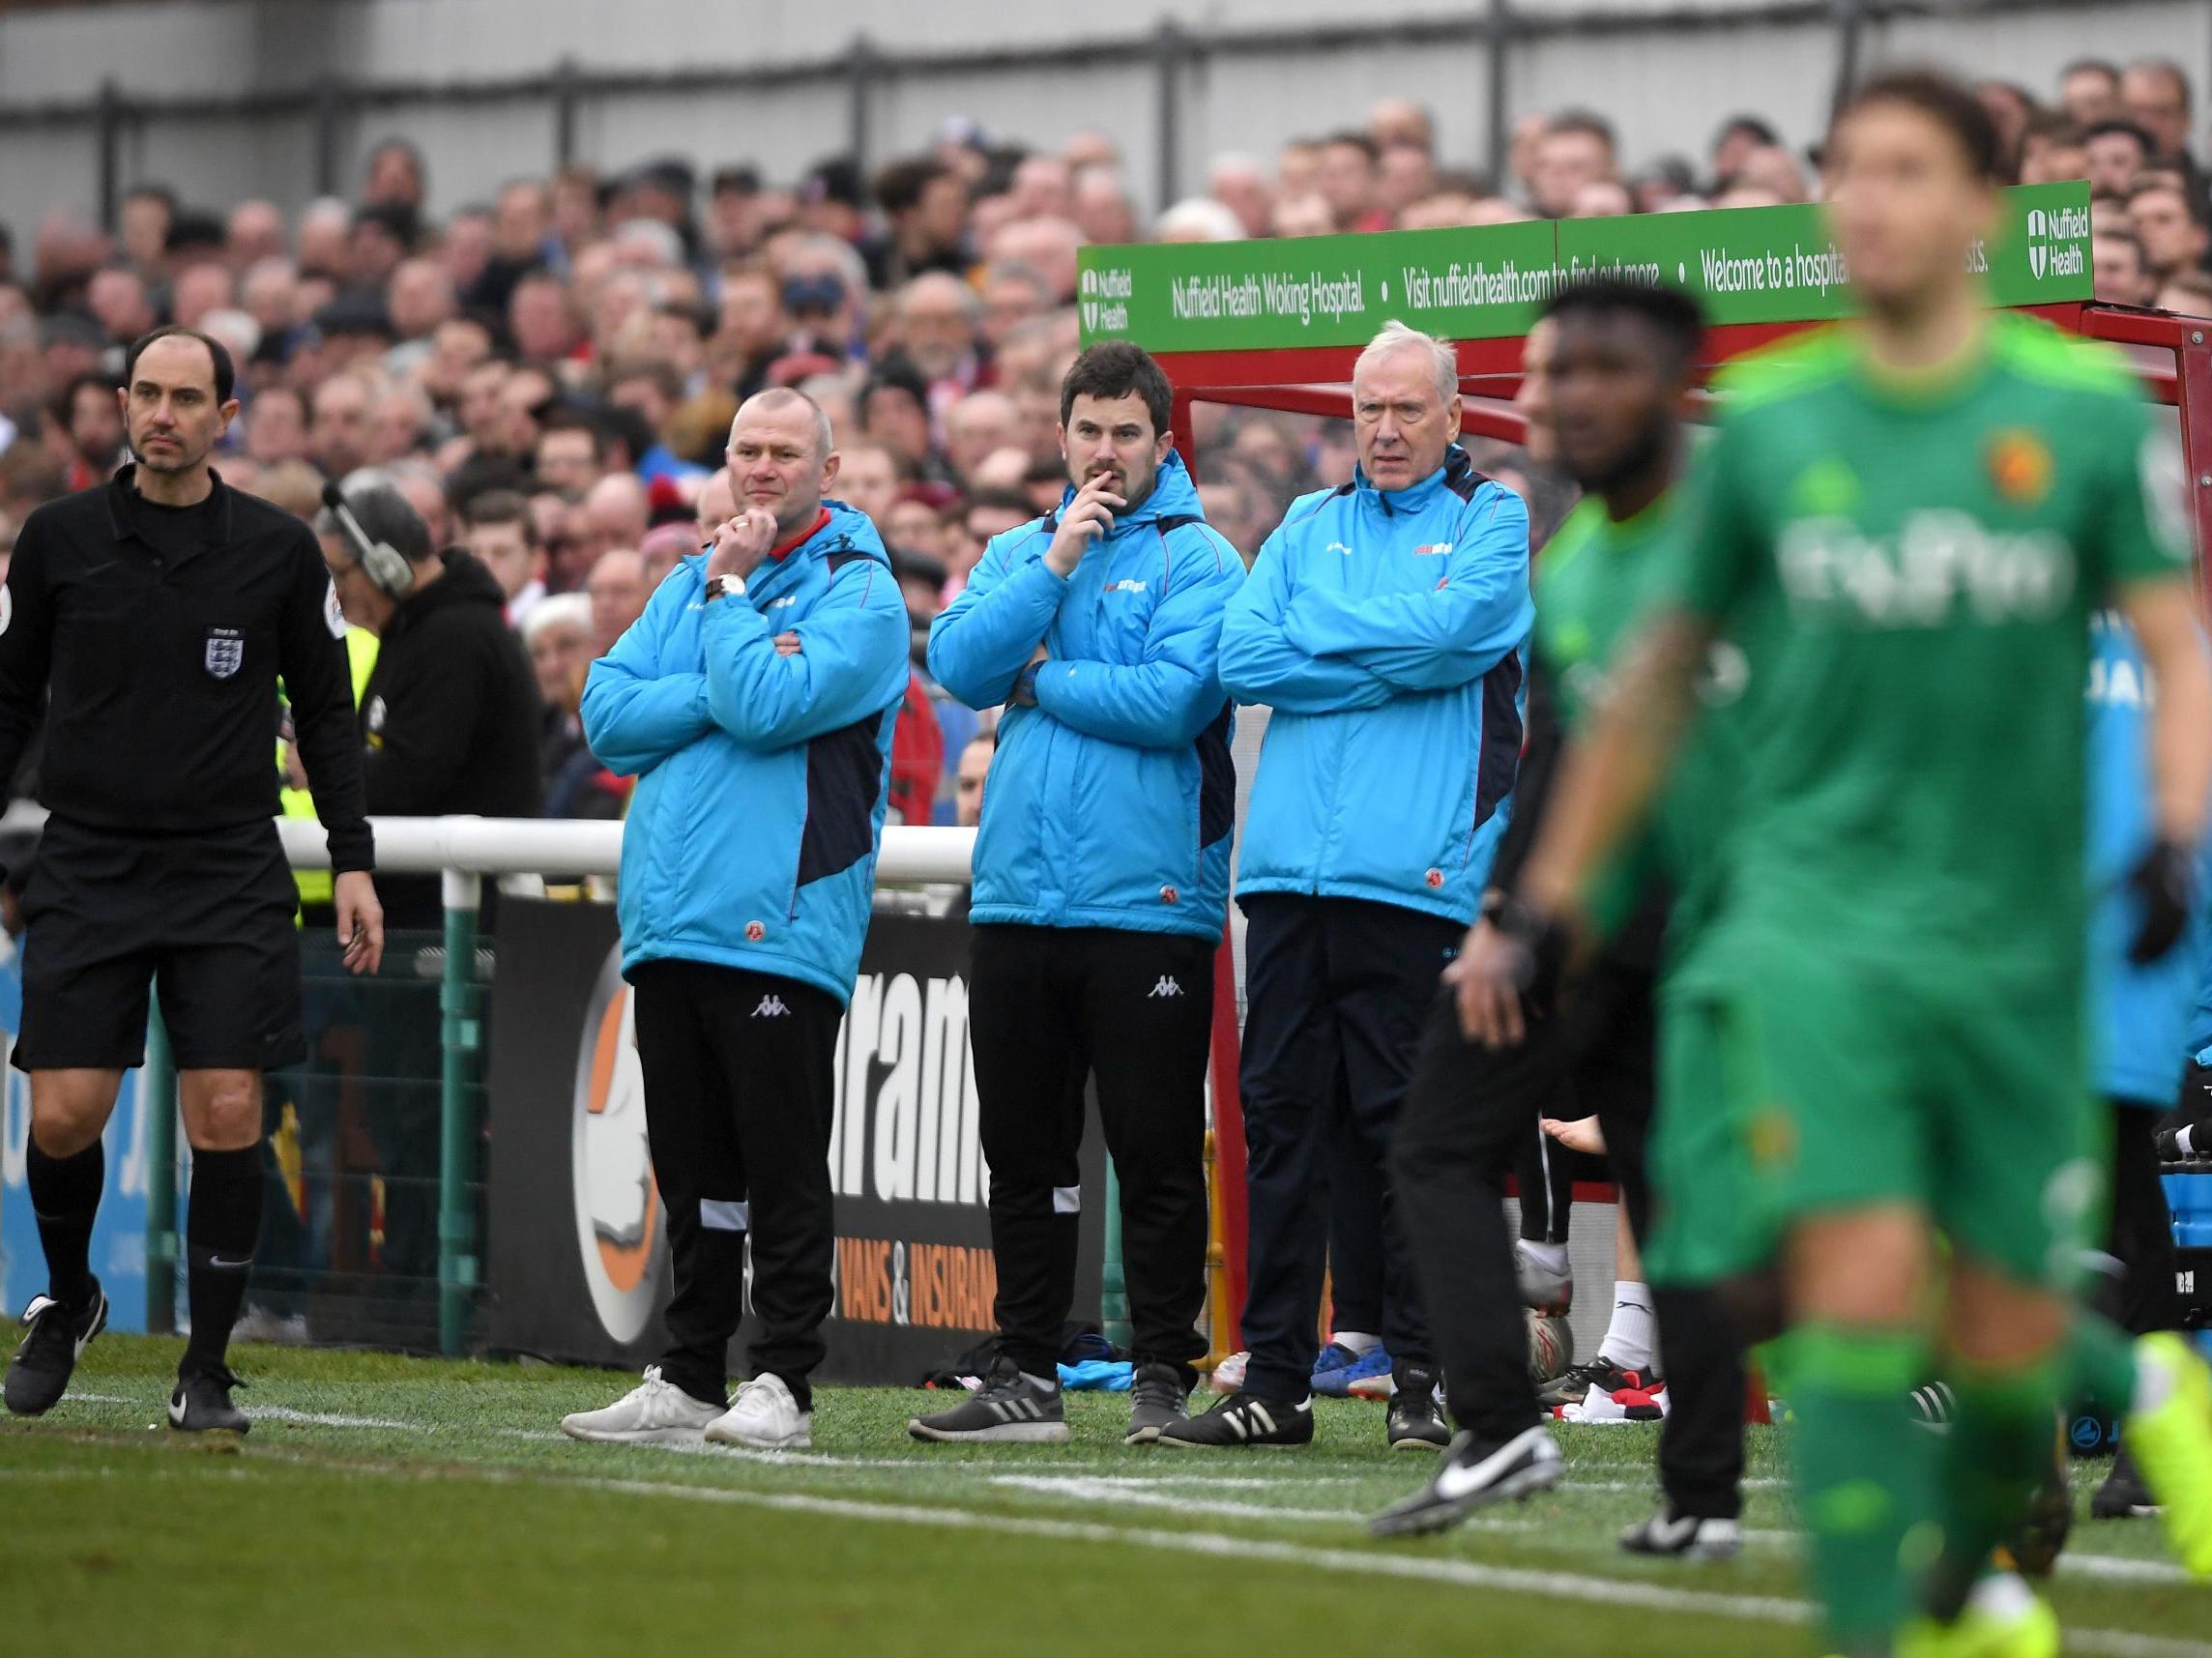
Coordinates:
[1383,623]
[1102,885]
[753,702]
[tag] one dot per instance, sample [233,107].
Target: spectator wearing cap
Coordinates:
[824,284]
[1739,135]
[353,329]
[397,177]
[501,533]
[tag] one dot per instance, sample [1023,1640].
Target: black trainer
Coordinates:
[1157,1393]
[201,1403]
[2123,1496]
[1473,1476]
[1007,1409]
[1416,1420]
[55,1338]
[1673,1536]
[1241,1422]
[1599,1376]
[2039,1536]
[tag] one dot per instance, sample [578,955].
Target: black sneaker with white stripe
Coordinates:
[1473,1476]
[1009,1409]
[1671,1536]
[201,1403]
[1243,1423]
[55,1337]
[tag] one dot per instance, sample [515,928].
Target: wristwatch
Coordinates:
[726,586]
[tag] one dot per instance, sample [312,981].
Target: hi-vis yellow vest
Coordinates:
[315,885]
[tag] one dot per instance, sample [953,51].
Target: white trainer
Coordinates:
[763,1417]
[653,1412]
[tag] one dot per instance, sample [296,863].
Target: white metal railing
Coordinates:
[528,845]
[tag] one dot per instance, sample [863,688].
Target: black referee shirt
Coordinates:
[162,633]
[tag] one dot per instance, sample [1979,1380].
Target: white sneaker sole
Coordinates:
[576,1430]
[797,1440]
[1005,1434]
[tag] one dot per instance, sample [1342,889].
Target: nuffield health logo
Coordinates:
[2055,241]
[1104,291]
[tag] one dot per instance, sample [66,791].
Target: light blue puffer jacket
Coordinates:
[1111,802]
[751,838]
[1385,630]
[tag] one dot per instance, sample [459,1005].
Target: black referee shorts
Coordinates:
[209,919]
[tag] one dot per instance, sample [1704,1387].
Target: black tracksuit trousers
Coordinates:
[1335,989]
[1467,1117]
[1047,1008]
[738,1095]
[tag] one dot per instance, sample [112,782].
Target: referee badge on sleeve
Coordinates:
[225,652]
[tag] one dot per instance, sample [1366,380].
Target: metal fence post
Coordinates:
[1500,83]
[859,84]
[1171,47]
[107,114]
[1113,1283]
[327,135]
[158,1099]
[563,113]
[459,1036]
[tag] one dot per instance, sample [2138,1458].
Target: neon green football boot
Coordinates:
[2172,1446]
[2005,1618]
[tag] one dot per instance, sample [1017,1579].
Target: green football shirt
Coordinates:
[1909,572]
[1594,580]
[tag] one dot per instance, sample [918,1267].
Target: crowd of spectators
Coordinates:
[549,376]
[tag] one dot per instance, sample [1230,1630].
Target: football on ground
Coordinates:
[386,1505]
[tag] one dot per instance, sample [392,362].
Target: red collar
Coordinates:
[782,549]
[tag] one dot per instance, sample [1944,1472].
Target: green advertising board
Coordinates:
[1746,265]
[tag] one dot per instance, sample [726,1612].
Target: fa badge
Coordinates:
[225,652]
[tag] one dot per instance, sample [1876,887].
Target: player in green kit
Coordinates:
[1904,523]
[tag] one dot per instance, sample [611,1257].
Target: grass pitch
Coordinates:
[391,1506]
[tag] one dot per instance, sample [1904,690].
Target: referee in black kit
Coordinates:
[151,618]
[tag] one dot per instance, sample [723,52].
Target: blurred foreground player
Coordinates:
[1606,375]
[1905,524]
[159,611]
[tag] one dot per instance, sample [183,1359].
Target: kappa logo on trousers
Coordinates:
[1167,986]
[772,1007]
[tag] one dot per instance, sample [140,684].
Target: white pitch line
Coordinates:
[329,1419]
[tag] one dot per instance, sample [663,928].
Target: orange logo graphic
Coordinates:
[2020,466]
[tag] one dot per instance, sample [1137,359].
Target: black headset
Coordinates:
[387,566]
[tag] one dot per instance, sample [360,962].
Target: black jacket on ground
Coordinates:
[162,633]
[450,720]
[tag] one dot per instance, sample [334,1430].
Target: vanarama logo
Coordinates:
[618,1208]
[1104,291]
[2056,242]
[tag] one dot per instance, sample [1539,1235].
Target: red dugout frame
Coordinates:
[1317,381]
